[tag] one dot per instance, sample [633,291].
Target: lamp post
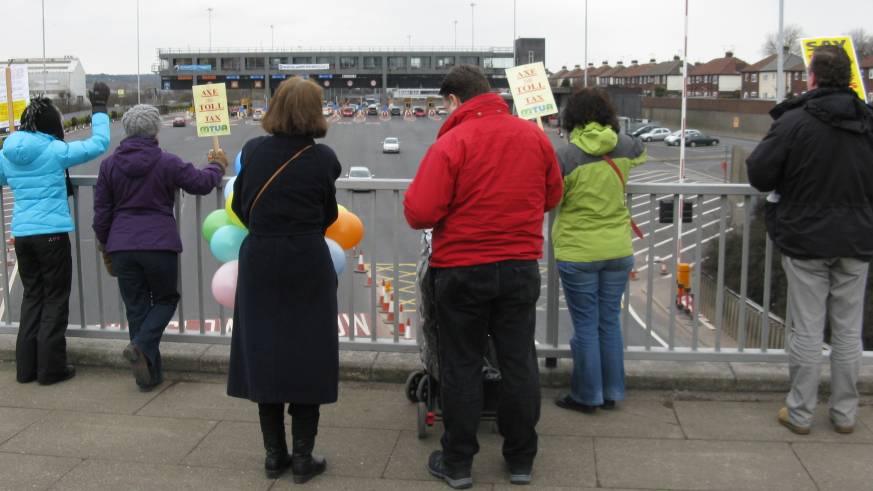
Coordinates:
[472,26]
[44,69]
[210,27]
[138,88]
[456,34]
[780,55]
[272,37]
[514,35]
[586,45]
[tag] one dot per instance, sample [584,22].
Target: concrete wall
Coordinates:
[713,115]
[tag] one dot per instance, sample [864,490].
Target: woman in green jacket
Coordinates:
[592,241]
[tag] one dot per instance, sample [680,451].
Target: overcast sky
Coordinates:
[102,33]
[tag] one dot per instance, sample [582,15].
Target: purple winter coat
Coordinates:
[135,194]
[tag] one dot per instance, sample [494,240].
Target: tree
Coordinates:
[792,33]
[863,42]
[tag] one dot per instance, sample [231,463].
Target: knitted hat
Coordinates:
[141,120]
[41,115]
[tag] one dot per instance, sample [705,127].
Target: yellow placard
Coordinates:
[210,106]
[20,94]
[531,92]
[810,44]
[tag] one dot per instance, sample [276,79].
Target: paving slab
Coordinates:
[112,476]
[32,471]
[755,421]
[352,452]
[14,420]
[111,437]
[91,390]
[380,406]
[334,483]
[865,416]
[678,375]
[561,461]
[837,467]
[632,418]
[699,465]
[201,401]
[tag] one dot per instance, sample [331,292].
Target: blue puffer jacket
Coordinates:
[33,165]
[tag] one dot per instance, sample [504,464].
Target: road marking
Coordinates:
[642,325]
[671,226]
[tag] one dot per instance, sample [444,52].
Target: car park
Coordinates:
[655,134]
[391,145]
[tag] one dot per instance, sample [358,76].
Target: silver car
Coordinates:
[391,145]
[656,134]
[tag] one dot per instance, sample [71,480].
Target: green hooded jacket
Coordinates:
[593,223]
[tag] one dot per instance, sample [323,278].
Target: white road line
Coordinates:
[685,249]
[642,325]
[645,236]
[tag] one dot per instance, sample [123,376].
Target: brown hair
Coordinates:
[295,110]
[589,105]
[831,66]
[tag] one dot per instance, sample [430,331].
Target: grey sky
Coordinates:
[103,32]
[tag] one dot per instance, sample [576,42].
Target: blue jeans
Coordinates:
[593,291]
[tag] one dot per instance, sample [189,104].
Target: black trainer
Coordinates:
[567,402]
[68,373]
[456,479]
[520,475]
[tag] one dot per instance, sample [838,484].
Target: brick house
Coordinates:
[593,75]
[658,74]
[636,75]
[760,79]
[720,77]
[867,75]
[612,77]
[557,79]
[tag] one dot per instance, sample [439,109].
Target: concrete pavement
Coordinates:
[98,432]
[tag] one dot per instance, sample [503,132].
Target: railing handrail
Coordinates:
[339,49]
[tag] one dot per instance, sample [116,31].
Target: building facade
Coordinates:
[720,77]
[760,80]
[58,78]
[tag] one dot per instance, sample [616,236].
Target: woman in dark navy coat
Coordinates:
[284,347]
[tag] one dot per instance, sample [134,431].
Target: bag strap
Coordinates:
[274,176]
[608,159]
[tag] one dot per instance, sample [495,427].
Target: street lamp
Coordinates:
[409,39]
[586,44]
[138,88]
[780,55]
[44,69]
[456,34]
[210,27]
[472,26]
[272,37]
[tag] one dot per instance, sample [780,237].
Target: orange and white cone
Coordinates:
[390,318]
[369,279]
[361,267]
[407,331]
[387,299]
[664,271]
[382,299]
[634,274]
[401,329]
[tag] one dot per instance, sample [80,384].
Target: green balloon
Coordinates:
[213,222]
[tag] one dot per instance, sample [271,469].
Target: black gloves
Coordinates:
[99,96]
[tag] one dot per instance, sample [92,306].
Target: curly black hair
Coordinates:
[589,105]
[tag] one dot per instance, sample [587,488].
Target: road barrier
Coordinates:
[670,333]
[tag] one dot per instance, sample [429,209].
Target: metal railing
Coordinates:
[338,49]
[654,325]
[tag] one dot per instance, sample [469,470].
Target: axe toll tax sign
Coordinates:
[845,43]
[210,106]
[531,91]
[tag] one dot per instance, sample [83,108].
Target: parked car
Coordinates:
[639,131]
[391,145]
[655,135]
[441,110]
[419,112]
[326,111]
[675,138]
[372,110]
[700,139]
[348,112]
[396,110]
[179,122]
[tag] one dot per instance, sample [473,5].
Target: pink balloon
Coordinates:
[224,284]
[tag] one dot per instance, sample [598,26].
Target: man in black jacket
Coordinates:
[817,163]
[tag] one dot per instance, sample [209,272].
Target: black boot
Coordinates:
[304,465]
[277,460]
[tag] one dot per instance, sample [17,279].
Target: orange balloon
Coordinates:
[347,230]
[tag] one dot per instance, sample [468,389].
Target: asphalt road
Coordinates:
[388,239]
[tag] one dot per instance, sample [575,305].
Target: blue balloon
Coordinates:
[237,163]
[226,242]
[229,186]
[337,255]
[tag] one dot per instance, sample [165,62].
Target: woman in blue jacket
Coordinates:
[33,163]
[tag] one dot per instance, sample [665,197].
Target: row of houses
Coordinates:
[724,77]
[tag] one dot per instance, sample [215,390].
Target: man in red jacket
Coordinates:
[484,187]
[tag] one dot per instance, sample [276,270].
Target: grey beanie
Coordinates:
[141,120]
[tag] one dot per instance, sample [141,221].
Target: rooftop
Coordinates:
[791,62]
[726,65]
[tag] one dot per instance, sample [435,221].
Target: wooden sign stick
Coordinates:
[215,146]
[540,123]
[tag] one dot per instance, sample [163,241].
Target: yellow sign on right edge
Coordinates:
[810,44]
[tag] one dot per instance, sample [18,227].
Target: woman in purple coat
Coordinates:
[136,230]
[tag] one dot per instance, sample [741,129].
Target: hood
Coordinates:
[23,147]
[136,155]
[840,108]
[477,107]
[594,139]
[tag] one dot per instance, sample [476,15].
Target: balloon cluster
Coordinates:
[225,232]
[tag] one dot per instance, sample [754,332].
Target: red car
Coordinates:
[419,112]
[348,112]
[179,122]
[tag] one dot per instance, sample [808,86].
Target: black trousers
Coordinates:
[472,302]
[148,281]
[304,419]
[46,270]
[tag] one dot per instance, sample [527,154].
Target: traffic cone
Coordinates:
[369,279]
[401,308]
[664,271]
[361,268]
[382,299]
[634,274]
[386,301]
[401,329]
[390,318]
[388,285]
[407,331]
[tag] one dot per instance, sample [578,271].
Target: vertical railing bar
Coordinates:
[744,274]
[350,291]
[353,324]
[98,263]
[553,293]
[650,279]
[765,304]
[371,239]
[719,290]
[395,240]
[674,289]
[625,320]
[77,235]
[219,201]
[695,282]
[198,217]
[181,309]
[121,313]
[7,296]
